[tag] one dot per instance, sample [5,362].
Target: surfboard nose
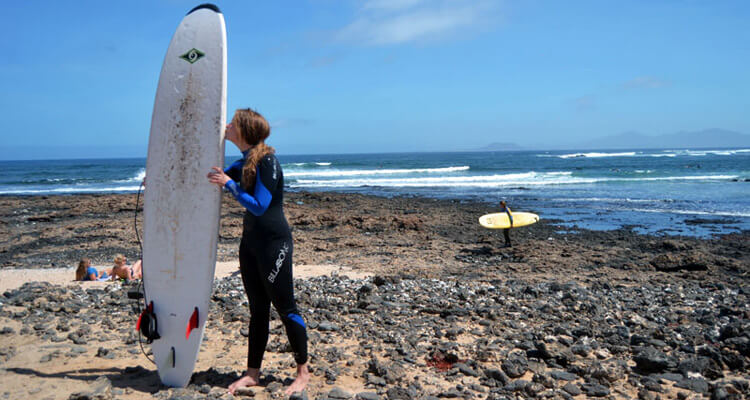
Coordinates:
[209,6]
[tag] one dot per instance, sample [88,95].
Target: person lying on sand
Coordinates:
[122,271]
[85,272]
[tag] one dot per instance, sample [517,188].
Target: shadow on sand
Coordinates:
[135,378]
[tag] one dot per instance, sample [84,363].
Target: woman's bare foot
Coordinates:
[300,382]
[251,378]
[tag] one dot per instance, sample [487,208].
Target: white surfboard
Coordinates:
[181,208]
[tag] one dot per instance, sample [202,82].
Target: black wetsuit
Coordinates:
[266,258]
[506,231]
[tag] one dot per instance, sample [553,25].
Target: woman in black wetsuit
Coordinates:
[256,181]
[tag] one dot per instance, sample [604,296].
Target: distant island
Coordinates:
[707,138]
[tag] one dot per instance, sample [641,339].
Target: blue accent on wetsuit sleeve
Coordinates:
[297,318]
[235,170]
[258,202]
[235,165]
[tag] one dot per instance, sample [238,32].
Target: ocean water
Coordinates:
[670,191]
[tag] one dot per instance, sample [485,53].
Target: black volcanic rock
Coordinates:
[651,360]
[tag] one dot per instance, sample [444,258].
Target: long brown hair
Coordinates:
[81,270]
[254,129]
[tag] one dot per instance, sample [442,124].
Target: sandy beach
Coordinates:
[15,278]
[404,298]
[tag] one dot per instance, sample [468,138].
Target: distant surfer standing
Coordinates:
[506,232]
[257,182]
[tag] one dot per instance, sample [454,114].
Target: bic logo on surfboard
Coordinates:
[193,55]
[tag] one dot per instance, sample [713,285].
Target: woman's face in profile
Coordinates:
[231,132]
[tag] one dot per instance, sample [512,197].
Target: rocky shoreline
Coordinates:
[448,313]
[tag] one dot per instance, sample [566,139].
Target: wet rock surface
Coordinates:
[385,235]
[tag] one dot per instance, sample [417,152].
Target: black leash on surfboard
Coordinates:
[140,291]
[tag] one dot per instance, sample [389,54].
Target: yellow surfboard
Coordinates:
[501,220]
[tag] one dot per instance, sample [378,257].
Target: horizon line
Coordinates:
[518,150]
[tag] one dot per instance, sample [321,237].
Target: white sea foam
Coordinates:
[701,153]
[694,212]
[72,190]
[505,180]
[137,178]
[664,153]
[597,155]
[682,178]
[364,172]
[609,200]
[304,164]
[671,155]
[526,178]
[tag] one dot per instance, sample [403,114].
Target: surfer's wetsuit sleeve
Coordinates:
[266,180]
[234,171]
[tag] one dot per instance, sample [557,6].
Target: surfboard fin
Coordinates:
[192,323]
[140,318]
[147,324]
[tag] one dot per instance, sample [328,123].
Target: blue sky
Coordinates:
[345,76]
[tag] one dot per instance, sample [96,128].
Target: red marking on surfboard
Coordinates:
[192,323]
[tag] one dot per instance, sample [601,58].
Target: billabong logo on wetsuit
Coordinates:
[279,261]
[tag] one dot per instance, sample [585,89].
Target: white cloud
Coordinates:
[386,22]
